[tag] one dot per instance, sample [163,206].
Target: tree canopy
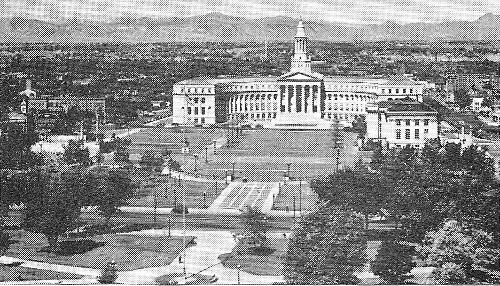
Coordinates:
[327,247]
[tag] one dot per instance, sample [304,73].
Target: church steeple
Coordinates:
[301,62]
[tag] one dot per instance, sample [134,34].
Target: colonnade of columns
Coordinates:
[300,98]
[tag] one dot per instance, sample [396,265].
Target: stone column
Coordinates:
[303,99]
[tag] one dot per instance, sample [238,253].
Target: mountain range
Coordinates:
[220,27]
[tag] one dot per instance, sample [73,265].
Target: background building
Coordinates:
[401,122]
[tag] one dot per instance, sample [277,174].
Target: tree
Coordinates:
[113,189]
[461,254]
[393,262]
[53,204]
[327,247]
[462,98]
[358,190]
[255,226]
[76,153]
[151,160]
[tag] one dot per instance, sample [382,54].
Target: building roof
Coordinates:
[226,79]
[405,105]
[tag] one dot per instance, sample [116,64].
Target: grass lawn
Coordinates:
[267,264]
[19,273]
[129,251]
[287,193]
[168,191]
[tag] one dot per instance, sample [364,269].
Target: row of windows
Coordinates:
[341,116]
[196,90]
[408,121]
[196,110]
[348,107]
[256,97]
[198,99]
[416,133]
[397,90]
[352,87]
[247,87]
[346,96]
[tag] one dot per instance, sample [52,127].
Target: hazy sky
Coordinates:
[347,11]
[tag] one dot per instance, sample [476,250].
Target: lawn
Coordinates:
[267,264]
[129,251]
[168,191]
[290,192]
[19,273]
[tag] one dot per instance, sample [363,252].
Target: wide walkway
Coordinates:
[202,257]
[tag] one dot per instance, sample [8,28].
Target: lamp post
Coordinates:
[206,154]
[215,142]
[233,163]
[293,207]
[288,169]
[226,177]
[338,162]
[155,205]
[169,225]
[300,197]
[238,267]
[204,199]
[195,162]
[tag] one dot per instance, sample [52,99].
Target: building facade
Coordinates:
[401,122]
[300,98]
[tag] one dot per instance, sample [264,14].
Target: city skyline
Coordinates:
[342,11]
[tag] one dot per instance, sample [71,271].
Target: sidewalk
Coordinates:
[227,212]
[209,245]
[52,267]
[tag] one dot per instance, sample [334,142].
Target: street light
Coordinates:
[233,163]
[288,169]
[215,142]
[238,267]
[338,157]
[204,199]
[206,154]
[195,162]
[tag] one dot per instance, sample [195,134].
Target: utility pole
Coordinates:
[300,197]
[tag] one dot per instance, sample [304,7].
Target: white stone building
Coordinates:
[401,122]
[300,98]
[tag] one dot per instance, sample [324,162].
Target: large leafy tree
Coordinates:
[110,189]
[393,262]
[255,227]
[53,203]
[327,247]
[76,153]
[358,190]
[151,160]
[461,254]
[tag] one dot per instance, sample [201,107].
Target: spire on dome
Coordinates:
[301,32]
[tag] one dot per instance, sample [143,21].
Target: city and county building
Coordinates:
[400,123]
[300,98]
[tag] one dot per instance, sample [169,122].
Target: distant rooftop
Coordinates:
[227,79]
[405,105]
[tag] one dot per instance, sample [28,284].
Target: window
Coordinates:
[397,90]
[202,100]
[189,110]
[426,122]
[398,122]
[203,120]
[407,134]
[417,134]
[203,110]
[404,90]
[196,111]
[417,122]
[196,120]
[383,90]
[426,131]
[196,100]
[407,122]
[390,90]
[411,90]
[398,133]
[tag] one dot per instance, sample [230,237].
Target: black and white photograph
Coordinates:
[250,142]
